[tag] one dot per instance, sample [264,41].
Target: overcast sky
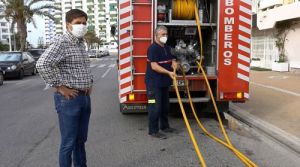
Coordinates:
[35,33]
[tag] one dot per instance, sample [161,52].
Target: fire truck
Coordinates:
[226,39]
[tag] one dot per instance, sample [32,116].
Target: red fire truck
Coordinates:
[226,34]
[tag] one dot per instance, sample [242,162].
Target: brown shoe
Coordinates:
[158,135]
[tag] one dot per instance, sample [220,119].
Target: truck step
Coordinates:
[195,100]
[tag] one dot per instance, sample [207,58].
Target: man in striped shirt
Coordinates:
[65,66]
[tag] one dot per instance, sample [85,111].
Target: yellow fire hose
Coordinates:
[229,145]
[242,157]
[201,159]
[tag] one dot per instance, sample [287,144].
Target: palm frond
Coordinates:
[45,7]
[33,21]
[38,1]
[44,13]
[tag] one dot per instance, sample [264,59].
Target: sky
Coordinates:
[35,33]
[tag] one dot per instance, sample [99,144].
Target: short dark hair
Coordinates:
[75,13]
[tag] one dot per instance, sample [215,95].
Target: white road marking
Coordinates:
[22,82]
[277,89]
[278,77]
[92,65]
[112,65]
[106,72]
[101,66]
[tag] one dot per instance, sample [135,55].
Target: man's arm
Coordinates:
[174,64]
[156,67]
[47,65]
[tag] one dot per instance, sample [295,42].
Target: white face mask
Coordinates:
[163,40]
[79,30]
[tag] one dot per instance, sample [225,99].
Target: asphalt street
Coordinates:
[29,135]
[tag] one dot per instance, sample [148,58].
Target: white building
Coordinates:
[50,29]
[266,14]
[101,15]
[4,31]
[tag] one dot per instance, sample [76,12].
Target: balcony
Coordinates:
[265,4]
[269,15]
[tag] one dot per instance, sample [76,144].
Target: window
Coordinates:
[3,24]
[4,30]
[4,36]
[30,59]
[24,56]
[112,7]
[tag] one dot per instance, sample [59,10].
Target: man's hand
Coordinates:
[174,65]
[90,90]
[67,92]
[172,75]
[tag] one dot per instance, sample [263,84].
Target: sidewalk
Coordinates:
[274,106]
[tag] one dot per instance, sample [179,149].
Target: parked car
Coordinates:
[94,53]
[113,45]
[17,64]
[1,77]
[103,52]
[36,53]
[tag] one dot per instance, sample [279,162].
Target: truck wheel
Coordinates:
[208,110]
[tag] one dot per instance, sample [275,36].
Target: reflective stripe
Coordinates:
[162,62]
[151,101]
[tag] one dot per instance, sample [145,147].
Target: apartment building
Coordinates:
[50,29]
[101,15]
[268,13]
[4,31]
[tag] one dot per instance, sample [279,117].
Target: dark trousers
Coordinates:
[73,115]
[158,108]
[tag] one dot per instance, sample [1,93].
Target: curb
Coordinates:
[276,133]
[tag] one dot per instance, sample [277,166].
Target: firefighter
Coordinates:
[158,79]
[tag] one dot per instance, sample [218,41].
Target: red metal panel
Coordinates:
[234,46]
[143,30]
[140,47]
[139,82]
[142,13]
[140,65]
[134,43]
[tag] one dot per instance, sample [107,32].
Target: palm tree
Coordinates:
[20,13]
[91,38]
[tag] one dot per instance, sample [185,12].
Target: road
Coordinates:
[29,134]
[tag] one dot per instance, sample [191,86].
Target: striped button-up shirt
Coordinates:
[66,62]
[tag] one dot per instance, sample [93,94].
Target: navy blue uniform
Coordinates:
[162,56]
[158,87]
